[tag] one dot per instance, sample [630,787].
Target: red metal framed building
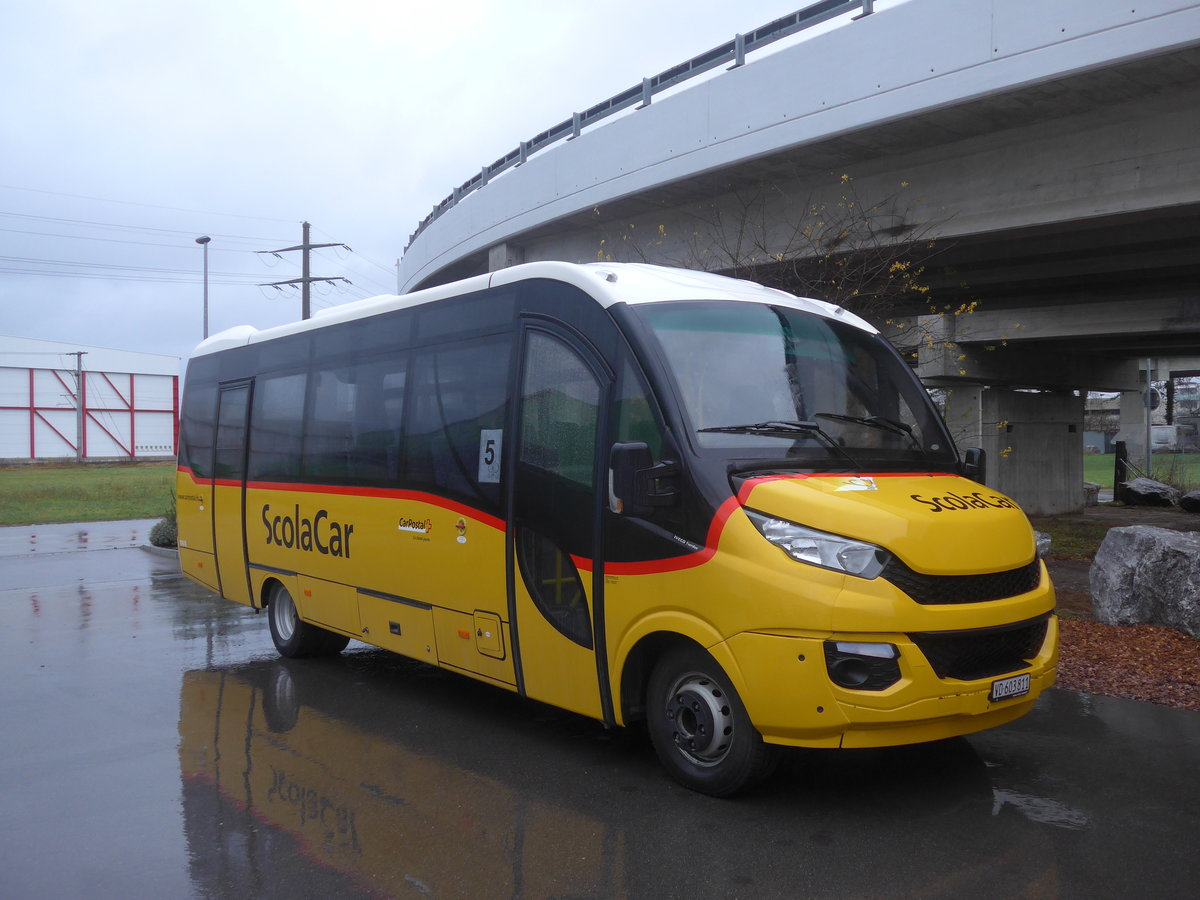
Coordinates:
[71,401]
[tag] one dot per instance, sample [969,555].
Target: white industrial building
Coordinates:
[71,401]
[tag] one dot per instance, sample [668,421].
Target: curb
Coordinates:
[161,551]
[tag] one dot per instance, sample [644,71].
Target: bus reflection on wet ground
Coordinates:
[164,751]
[462,791]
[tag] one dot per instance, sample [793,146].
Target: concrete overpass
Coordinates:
[1052,148]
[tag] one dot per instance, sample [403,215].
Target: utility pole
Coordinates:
[79,401]
[305,279]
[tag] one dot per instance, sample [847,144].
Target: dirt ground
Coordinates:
[1142,662]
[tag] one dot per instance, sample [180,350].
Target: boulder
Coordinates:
[1148,492]
[1190,502]
[1044,543]
[1148,576]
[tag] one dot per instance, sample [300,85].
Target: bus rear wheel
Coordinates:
[294,638]
[700,730]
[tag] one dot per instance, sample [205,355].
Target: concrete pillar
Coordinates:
[1034,442]
[1133,427]
[964,413]
[501,256]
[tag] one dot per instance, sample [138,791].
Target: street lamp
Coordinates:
[203,241]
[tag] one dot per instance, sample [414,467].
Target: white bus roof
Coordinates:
[607,283]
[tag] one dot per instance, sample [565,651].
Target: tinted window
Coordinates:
[197,424]
[554,584]
[230,452]
[555,491]
[329,426]
[560,411]
[485,311]
[378,411]
[457,394]
[275,430]
[283,353]
[636,419]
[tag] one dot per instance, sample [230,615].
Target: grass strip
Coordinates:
[91,492]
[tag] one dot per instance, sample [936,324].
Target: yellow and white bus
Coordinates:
[640,494]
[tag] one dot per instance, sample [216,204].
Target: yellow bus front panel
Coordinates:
[768,619]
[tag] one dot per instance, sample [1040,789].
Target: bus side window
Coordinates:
[328,427]
[377,419]
[555,491]
[636,416]
[455,394]
[229,454]
[197,428]
[275,427]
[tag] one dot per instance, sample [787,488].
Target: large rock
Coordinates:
[1190,502]
[1148,492]
[1044,542]
[1143,575]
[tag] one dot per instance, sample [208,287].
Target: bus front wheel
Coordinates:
[700,730]
[294,638]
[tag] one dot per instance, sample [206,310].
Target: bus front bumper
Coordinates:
[785,685]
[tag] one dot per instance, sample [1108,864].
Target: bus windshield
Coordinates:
[777,382]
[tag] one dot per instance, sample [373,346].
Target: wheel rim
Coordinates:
[283,614]
[701,719]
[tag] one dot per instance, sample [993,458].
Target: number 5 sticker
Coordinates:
[490,442]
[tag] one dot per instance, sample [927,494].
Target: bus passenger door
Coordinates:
[555,582]
[229,491]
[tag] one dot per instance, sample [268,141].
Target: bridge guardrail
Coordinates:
[641,95]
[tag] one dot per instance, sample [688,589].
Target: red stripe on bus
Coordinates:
[450,506]
[688,561]
[583,564]
[717,526]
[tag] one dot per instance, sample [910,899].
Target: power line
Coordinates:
[88,237]
[97,276]
[363,257]
[202,212]
[87,222]
[95,265]
[305,280]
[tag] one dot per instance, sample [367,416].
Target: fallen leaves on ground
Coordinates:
[1140,662]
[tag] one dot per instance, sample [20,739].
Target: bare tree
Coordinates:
[865,254]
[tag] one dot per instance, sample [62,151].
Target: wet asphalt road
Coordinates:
[154,746]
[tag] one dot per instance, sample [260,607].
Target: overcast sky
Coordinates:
[130,127]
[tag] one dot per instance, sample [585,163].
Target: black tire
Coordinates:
[699,727]
[296,639]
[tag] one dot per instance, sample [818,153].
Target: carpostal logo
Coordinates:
[299,531]
[952,502]
[416,526]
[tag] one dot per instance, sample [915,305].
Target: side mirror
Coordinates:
[636,484]
[974,464]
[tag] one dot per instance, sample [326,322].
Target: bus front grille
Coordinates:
[982,652]
[944,589]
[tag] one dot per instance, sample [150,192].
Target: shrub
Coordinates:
[165,532]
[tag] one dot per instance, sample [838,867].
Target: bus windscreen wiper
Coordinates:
[881,422]
[773,427]
[780,428]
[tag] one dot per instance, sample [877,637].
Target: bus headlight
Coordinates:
[820,548]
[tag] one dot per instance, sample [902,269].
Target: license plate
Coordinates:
[1007,688]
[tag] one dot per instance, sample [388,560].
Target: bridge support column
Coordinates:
[964,414]
[501,256]
[1033,441]
[1133,427]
